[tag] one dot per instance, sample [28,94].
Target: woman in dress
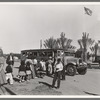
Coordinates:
[32,68]
[10,59]
[22,72]
[28,70]
[2,74]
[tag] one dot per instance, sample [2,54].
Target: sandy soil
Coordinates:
[82,85]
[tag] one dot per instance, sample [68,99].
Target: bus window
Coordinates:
[49,54]
[69,54]
[44,54]
[35,54]
[60,53]
[23,53]
[40,54]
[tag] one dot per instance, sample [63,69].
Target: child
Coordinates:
[39,69]
[22,72]
[28,70]
[9,77]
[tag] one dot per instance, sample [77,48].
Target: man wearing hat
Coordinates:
[58,69]
[49,68]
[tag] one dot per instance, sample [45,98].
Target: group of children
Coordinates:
[8,72]
[29,69]
[25,71]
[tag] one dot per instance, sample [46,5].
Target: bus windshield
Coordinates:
[69,54]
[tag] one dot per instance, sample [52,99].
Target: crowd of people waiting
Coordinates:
[38,68]
[31,69]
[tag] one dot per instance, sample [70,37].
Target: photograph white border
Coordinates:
[48,3]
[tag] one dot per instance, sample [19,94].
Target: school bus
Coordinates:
[45,53]
[70,62]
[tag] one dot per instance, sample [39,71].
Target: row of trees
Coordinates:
[85,44]
[59,43]
[63,42]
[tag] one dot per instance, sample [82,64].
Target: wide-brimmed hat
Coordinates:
[50,57]
[28,60]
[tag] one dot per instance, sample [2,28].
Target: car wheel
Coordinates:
[82,71]
[71,70]
[89,66]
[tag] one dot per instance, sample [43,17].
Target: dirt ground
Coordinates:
[78,85]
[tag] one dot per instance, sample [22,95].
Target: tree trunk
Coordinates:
[85,55]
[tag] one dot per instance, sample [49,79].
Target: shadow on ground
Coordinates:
[16,79]
[91,93]
[45,89]
[45,84]
[9,90]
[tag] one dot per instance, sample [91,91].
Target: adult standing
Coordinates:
[43,64]
[35,65]
[33,71]
[2,74]
[10,59]
[39,69]
[49,66]
[23,58]
[63,71]
[32,67]
[57,74]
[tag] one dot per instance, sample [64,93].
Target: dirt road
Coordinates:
[73,85]
[80,84]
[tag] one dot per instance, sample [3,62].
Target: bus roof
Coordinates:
[46,50]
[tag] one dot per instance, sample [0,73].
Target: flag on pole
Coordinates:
[88,11]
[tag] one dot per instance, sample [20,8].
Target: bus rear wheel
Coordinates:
[82,71]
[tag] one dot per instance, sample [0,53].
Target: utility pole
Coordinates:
[40,44]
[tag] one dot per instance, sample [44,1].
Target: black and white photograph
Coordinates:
[50,49]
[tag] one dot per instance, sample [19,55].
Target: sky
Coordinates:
[22,26]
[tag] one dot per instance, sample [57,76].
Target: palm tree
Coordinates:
[64,43]
[81,47]
[50,43]
[85,43]
[59,43]
[94,50]
[80,43]
[1,52]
